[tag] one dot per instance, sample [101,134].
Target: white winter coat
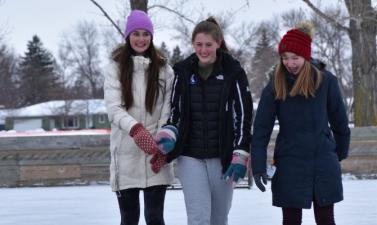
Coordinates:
[129,166]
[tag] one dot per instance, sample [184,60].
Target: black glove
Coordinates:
[258,179]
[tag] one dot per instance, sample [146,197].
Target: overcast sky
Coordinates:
[50,18]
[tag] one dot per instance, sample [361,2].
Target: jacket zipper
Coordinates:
[223,109]
[116,176]
[185,107]
[144,121]
[205,124]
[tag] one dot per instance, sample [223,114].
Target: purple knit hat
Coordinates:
[138,20]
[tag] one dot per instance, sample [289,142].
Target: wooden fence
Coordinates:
[83,159]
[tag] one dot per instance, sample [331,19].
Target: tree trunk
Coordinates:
[139,4]
[362,32]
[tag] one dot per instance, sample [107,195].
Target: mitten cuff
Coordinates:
[135,129]
[240,157]
[241,152]
[171,130]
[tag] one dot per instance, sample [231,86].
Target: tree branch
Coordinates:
[108,17]
[324,16]
[172,11]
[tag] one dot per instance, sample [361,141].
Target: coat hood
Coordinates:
[318,64]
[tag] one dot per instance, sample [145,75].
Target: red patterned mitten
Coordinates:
[158,161]
[143,139]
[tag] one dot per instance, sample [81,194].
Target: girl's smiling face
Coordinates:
[140,40]
[292,62]
[205,47]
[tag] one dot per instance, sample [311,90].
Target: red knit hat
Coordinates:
[297,42]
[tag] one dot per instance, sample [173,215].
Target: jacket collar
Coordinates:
[140,63]
[191,64]
[318,64]
[225,64]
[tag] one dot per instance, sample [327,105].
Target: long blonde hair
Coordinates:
[306,84]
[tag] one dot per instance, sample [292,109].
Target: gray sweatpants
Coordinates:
[208,197]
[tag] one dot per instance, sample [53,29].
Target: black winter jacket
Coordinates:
[204,133]
[313,137]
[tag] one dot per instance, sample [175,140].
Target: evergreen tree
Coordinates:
[264,59]
[38,81]
[177,56]
[165,50]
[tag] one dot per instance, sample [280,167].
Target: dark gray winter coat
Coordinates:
[313,137]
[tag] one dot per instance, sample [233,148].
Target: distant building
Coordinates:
[60,115]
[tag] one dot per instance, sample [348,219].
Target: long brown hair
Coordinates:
[122,56]
[211,26]
[308,81]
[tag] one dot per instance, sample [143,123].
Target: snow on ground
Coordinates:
[96,205]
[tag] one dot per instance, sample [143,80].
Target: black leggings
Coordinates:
[129,205]
[323,215]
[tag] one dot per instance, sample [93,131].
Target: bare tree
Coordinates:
[82,55]
[362,31]
[333,46]
[112,39]
[293,17]
[7,73]
[184,15]
[139,4]
[8,94]
[116,26]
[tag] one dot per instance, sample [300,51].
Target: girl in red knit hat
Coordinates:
[313,132]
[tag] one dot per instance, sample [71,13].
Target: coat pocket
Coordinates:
[328,140]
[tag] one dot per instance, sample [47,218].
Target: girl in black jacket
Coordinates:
[313,133]
[211,122]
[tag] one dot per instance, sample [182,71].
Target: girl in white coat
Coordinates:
[137,96]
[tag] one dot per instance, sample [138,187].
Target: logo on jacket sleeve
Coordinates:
[220,77]
[193,79]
